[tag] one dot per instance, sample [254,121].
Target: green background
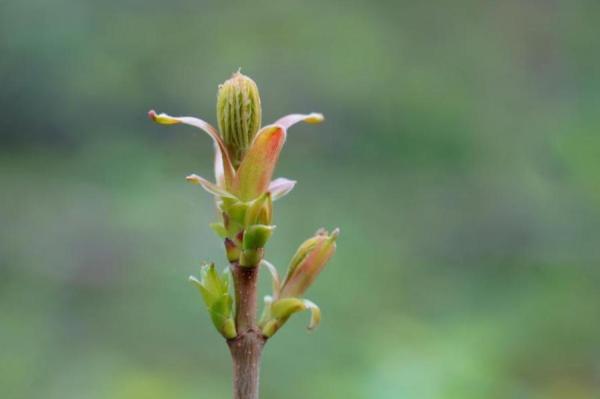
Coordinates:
[460,158]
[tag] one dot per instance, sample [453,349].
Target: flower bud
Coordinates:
[310,258]
[238,114]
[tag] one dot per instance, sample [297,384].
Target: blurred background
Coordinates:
[460,158]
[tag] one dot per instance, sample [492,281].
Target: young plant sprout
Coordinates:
[245,158]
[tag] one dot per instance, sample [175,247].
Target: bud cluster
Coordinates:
[245,159]
[246,228]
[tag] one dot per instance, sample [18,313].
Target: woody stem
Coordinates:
[247,347]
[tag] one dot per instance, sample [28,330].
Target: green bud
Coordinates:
[256,236]
[308,261]
[214,289]
[239,114]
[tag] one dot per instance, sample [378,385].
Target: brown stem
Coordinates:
[247,347]
[245,353]
[244,282]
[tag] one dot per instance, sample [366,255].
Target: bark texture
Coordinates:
[247,347]
[245,351]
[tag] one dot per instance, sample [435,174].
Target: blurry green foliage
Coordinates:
[459,158]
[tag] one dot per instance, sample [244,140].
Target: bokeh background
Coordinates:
[460,158]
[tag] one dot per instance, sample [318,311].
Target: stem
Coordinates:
[247,347]
[245,353]
[244,282]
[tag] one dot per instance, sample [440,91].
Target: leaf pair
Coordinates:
[253,177]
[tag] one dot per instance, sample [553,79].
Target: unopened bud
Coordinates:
[256,236]
[214,289]
[239,114]
[310,258]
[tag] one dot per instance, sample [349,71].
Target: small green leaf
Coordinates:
[219,229]
[214,289]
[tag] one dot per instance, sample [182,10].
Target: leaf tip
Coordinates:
[193,178]
[314,117]
[334,234]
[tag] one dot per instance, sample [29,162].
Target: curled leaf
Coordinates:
[224,170]
[282,309]
[290,120]
[209,186]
